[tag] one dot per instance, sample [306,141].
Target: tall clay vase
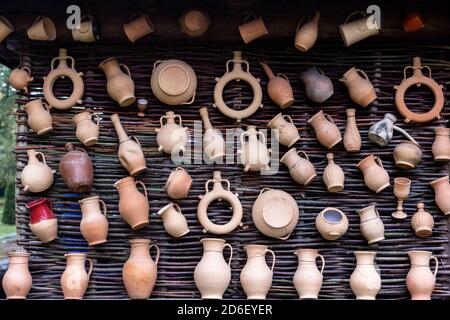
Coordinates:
[422,222]
[365,281]
[306,34]
[94,224]
[333,175]
[420,280]
[212,275]
[87,130]
[43,222]
[39,118]
[36,176]
[119,85]
[130,152]
[376,177]
[317,85]
[360,88]
[279,88]
[441,188]
[77,169]
[213,142]
[300,168]
[256,276]
[352,138]
[75,279]
[327,133]
[371,225]
[308,279]
[140,271]
[441,144]
[17,280]
[174,221]
[287,133]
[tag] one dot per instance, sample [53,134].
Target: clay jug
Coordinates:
[352,138]
[195,22]
[76,169]
[43,222]
[333,175]
[308,279]
[178,184]
[357,30]
[119,85]
[87,130]
[317,85]
[17,280]
[36,176]
[441,188]
[174,222]
[420,280]
[39,118]
[360,88]
[306,34]
[94,223]
[365,280]
[256,276]
[331,223]
[253,29]
[327,133]
[371,225]
[300,168]
[279,88]
[441,144]
[422,222]
[138,26]
[255,156]
[171,137]
[407,155]
[5,28]
[376,177]
[19,79]
[212,275]
[382,131]
[286,131]
[140,271]
[213,142]
[75,279]
[130,152]
[133,205]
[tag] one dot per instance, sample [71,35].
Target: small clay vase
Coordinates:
[36,176]
[441,188]
[286,131]
[254,155]
[352,138]
[77,169]
[252,30]
[441,144]
[19,79]
[17,280]
[420,280]
[171,137]
[138,26]
[279,88]
[75,279]
[357,30]
[333,175]
[360,88]
[43,222]
[195,22]
[371,226]
[307,278]
[87,130]
[422,222]
[174,222]
[365,281]
[178,184]
[300,168]
[306,34]
[5,28]
[39,118]
[94,222]
[42,29]
[119,85]
[317,85]
[407,155]
[413,22]
[376,177]
[331,223]
[213,142]
[327,133]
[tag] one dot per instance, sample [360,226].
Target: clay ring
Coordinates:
[76,95]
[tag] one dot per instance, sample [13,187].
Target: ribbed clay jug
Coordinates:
[376,177]
[174,221]
[360,88]
[171,137]
[441,144]
[300,168]
[422,222]
[308,279]
[75,279]
[333,175]
[306,34]
[371,226]
[287,133]
[94,224]
[119,85]
[441,188]
[36,176]
[17,280]
[327,133]
[279,88]
[77,169]
[39,118]
[352,138]
[420,280]
[87,130]
[365,281]
[317,85]
[213,142]
[255,155]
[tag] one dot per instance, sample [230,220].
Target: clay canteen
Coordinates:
[382,131]
[365,280]
[413,22]
[174,222]
[371,226]
[402,187]
[253,29]
[88,30]
[331,223]
[140,271]
[171,137]
[19,79]
[360,88]
[133,205]
[255,156]
[42,29]
[43,222]
[213,142]
[275,213]
[212,275]
[256,276]
[178,184]
[142,105]
[327,133]
[333,175]
[307,278]
[94,223]
[376,177]
[75,278]
[352,138]
[407,155]
[87,130]
[300,168]
[357,30]
[441,144]
[17,280]
[194,22]
[279,88]
[138,26]
[173,82]
[317,85]
[39,118]
[420,280]
[285,130]
[36,176]
[306,34]
[77,169]
[422,222]
[441,188]
[5,28]
[119,84]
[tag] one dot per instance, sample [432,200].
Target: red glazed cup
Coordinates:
[413,22]
[40,209]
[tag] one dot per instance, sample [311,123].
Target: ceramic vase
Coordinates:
[279,88]
[300,168]
[36,176]
[333,175]
[119,84]
[308,278]
[77,169]
[174,221]
[254,155]
[43,222]
[365,280]
[39,118]
[94,223]
[17,280]
[317,85]
[441,188]
[420,280]
[422,222]
[75,279]
[360,88]
[352,138]
[171,137]
[178,183]
[87,130]
[376,178]
[213,142]
[286,131]
[306,34]
[441,144]
[327,133]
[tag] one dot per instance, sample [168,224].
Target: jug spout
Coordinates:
[267,70]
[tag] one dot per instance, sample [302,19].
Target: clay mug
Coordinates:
[252,30]
[42,29]
[365,280]
[300,168]
[19,79]
[285,130]
[331,223]
[333,175]
[360,88]
[306,34]
[88,30]
[171,137]
[327,133]
[174,222]
[357,30]
[352,138]
[307,278]
[119,84]
[422,222]
[376,178]
[43,222]
[441,188]
[194,22]
[420,280]
[178,184]
[75,279]
[254,155]
[371,225]
[413,22]
[279,88]
[36,176]
[39,118]
[17,280]
[5,28]
[213,142]
[138,26]
[441,144]
[317,85]
[87,130]
[407,155]
[94,223]
[77,169]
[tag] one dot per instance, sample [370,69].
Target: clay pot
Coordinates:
[195,22]
[407,155]
[413,22]
[371,226]
[275,213]
[19,79]
[300,168]
[130,152]
[178,184]
[422,222]
[42,29]
[376,177]
[94,222]
[43,222]
[39,118]
[307,278]
[365,281]
[420,280]
[331,223]
[441,144]
[382,131]
[140,271]
[138,26]
[212,274]
[119,85]
[352,138]
[87,130]
[256,276]
[255,156]
[360,88]
[333,175]
[252,30]
[174,222]
[357,30]
[306,34]
[36,176]
[213,142]
[279,88]
[171,137]
[88,31]
[327,133]
[317,85]
[5,28]
[17,280]
[76,169]
[286,131]
[133,205]
[75,279]
[441,188]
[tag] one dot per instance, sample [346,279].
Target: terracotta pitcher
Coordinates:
[317,85]
[75,279]
[360,88]
[286,131]
[5,28]
[407,155]
[130,152]
[253,29]
[174,222]
[279,88]
[140,271]
[376,177]
[39,118]
[77,169]
[352,138]
[94,223]
[308,279]
[300,168]
[371,225]
[256,276]
[422,222]
[171,137]
[87,130]
[138,26]
[327,133]
[43,222]
[333,175]
[357,30]
[306,34]
[441,188]
[441,144]
[20,78]
[36,176]
[213,142]
[133,205]
[255,156]
[212,275]
[119,85]
[17,280]
[420,280]
[365,280]
[331,223]
[178,184]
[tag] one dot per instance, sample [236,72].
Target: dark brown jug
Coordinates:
[76,169]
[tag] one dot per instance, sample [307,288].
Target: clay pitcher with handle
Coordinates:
[371,225]
[75,279]
[19,79]
[420,280]
[286,131]
[87,130]
[174,221]
[365,281]
[279,88]
[119,85]
[94,224]
[300,168]
[376,177]
[306,34]
[327,133]
[317,85]
[360,88]
[39,118]
[36,176]
[17,280]
[308,279]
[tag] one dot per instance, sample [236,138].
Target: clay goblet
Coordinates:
[401,192]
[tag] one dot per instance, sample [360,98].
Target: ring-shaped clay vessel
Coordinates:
[418,79]
[237,73]
[219,193]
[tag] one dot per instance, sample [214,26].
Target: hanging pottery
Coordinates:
[88,31]
[252,29]
[39,118]
[306,34]
[174,222]
[279,88]
[17,280]
[94,222]
[382,131]
[75,279]
[178,184]
[138,26]
[357,30]
[327,132]
[376,178]
[441,144]
[371,225]
[441,188]
[331,223]
[422,222]
[5,28]
[360,88]
[36,176]
[77,169]
[20,78]
[307,278]
[87,130]
[119,85]
[285,130]
[255,156]
[43,222]
[333,175]
[365,280]
[213,142]
[420,280]
[317,85]
[171,137]
[352,138]
[407,155]
[402,187]
[42,29]
[413,22]
[300,168]
[194,22]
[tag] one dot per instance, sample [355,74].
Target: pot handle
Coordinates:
[264,190]
[97,118]
[286,116]
[328,117]
[177,207]
[303,153]
[142,185]
[363,74]
[282,75]
[136,140]
[91,267]
[285,237]
[354,13]
[103,206]
[323,262]
[43,157]
[243,134]
[220,181]
[156,63]
[161,120]
[250,15]
[134,15]
[406,134]
[50,204]
[192,99]
[157,252]
[27,69]
[263,137]
[37,19]
[378,160]
[177,116]
[125,67]
[300,22]
[273,259]
[46,106]
[436,265]
[231,252]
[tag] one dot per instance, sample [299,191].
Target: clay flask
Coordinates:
[422,222]
[279,88]
[352,138]
[17,280]
[333,175]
